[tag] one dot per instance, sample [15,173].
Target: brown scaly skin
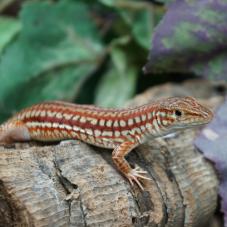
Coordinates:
[118,129]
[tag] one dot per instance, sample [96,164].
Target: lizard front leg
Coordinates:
[123,166]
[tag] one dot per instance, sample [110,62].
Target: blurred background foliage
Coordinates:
[80,51]
[94,51]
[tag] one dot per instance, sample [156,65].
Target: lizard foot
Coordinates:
[135,174]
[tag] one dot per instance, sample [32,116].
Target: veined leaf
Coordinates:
[52,56]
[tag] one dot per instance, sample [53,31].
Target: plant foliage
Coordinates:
[54,49]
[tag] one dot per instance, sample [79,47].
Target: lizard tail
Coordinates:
[13,130]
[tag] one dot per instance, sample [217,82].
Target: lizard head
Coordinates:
[185,112]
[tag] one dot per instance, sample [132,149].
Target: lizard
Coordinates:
[120,129]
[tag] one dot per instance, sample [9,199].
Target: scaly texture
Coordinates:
[118,129]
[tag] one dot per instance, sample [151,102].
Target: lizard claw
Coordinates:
[135,174]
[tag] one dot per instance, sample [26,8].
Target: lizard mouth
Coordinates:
[203,117]
[207,115]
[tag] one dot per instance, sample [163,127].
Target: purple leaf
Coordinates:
[213,143]
[192,37]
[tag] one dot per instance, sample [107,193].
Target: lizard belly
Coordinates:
[49,135]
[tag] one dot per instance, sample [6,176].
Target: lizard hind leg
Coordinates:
[118,156]
[12,131]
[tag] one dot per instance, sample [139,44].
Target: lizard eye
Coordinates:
[178,113]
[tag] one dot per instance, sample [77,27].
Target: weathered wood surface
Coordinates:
[74,184]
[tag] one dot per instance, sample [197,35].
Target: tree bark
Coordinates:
[74,184]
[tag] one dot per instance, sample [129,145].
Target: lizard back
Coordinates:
[103,127]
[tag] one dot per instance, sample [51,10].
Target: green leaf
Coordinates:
[140,16]
[9,27]
[58,48]
[141,23]
[118,85]
[45,85]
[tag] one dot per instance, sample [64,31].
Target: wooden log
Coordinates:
[74,184]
